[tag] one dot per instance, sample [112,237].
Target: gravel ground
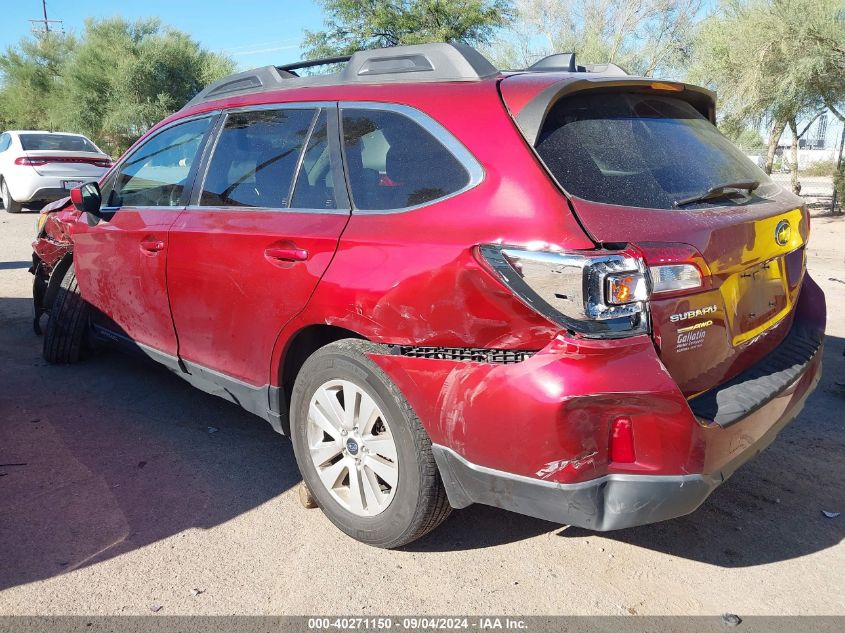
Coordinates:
[139,493]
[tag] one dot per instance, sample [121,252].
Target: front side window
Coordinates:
[393,163]
[641,150]
[255,158]
[156,173]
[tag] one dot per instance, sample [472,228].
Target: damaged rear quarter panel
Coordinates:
[548,417]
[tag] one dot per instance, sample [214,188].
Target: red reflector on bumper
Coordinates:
[621,441]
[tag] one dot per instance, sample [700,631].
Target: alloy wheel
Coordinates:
[352,448]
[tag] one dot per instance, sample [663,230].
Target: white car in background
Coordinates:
[38,167]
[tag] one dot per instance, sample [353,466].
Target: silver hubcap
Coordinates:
[352,448]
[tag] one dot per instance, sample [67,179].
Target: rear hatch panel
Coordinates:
[744,310]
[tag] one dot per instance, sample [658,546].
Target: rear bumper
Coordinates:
[45,195]
[533,436]
[614,501]
[28,187]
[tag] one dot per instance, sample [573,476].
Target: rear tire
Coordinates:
[67,326]
[416,503]
[8,202]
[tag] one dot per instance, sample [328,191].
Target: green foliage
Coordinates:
[747,139]
[113,84]
[839,186]
[32,77]
[353,25]
[645,37]
[778,59]
[820,168]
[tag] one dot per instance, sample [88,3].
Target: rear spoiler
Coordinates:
[531,117]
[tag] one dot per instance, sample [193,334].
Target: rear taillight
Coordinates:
[30,161]
[26,161]
[599,294]
[674,269]
[674,278]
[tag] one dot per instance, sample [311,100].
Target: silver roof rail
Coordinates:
[566,62]
[416,63]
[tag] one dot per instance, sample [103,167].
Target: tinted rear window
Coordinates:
[393,163]
[56,142]
[640,150]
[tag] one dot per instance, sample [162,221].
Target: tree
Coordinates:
[646,37]
[126,76]
[31,77]
[353,25]
[112,84]
[779,60]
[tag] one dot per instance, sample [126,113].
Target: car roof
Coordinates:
[422,64]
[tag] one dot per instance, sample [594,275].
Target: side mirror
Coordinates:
[88,199]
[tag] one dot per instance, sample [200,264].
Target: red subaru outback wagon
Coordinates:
[558,291]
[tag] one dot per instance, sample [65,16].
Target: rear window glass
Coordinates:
[393,163]
[56,142]
[255,159]
[641,150]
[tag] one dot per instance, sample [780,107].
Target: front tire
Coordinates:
[8,202]
[362,450]
[67,326]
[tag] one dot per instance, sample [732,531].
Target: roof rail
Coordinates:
[566,62]
[311,63]
[255,80]
[417,63]
[558,61]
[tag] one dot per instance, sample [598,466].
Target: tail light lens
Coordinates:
[599,294]
[30,162]
[625,288]
[674,278]
[674,269]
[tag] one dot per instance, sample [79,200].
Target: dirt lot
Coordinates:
[138,490]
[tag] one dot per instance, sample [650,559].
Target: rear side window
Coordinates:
[255,158]
[393,163]
[314,184]
[155,174]
[640,150]
[56,142]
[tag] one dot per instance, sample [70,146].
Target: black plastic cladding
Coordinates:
[469,354]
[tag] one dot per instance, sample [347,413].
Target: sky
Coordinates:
[252,32]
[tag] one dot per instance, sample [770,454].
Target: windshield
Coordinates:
[57,142]
[642,150]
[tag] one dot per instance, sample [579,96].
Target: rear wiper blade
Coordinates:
[719,190]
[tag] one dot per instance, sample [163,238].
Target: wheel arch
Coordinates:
[302,344]
[56,276]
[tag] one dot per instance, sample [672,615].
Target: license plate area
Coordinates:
[756,299]
[71,184]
